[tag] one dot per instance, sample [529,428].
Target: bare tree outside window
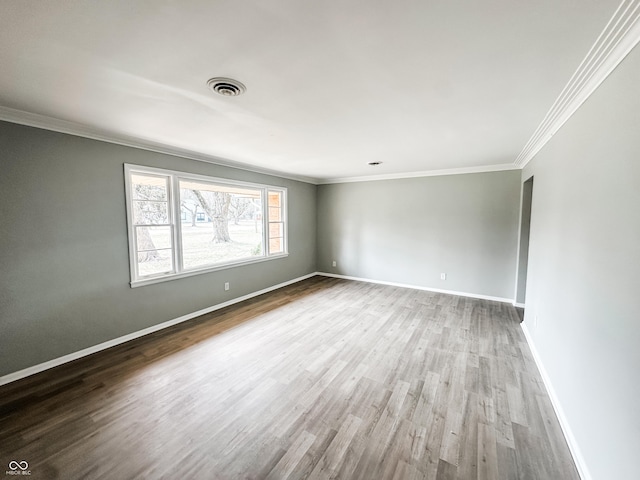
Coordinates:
[152,225]
[216,206]
[239,208]
[230,212]
[189,204]
[182,224]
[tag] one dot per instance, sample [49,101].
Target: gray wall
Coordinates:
[584,271]
[411,230]
[64,281]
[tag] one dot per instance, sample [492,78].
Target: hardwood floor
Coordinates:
[323,379]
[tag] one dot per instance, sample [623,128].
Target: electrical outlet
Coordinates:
[443,276]
[226,286]
[334,263]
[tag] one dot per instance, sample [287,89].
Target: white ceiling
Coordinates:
[419,85]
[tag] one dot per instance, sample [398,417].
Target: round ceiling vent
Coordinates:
[226,86]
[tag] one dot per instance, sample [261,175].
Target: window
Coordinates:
[276,222]
[182,224]
[152,226]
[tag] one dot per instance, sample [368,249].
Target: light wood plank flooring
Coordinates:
[322,379]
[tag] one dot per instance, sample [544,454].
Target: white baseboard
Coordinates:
[417,287]
[564,424]
[519,305]
[12,377]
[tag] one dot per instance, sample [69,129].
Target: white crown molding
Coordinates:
[72,128]
[426,173]
[618,38]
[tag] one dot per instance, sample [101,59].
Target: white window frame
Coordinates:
[173,196]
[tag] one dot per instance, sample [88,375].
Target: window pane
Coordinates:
[223,223]
[275,206]
[150,213]
[149,187]
[276,221]
[275,245]
[153,238]
[275,199]
[275,214]
[155,262]
[276,230]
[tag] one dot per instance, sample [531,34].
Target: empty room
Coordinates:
[313,240]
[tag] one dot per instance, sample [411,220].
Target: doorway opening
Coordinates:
[523,250]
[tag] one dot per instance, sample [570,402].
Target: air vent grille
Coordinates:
[226,86]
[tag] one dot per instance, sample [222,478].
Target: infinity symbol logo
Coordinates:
[23,465]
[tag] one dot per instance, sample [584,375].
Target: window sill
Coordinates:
[191,273]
